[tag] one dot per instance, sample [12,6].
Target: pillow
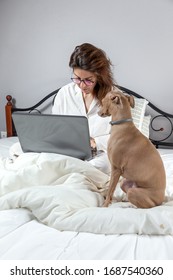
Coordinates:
[145,126]
[138,112]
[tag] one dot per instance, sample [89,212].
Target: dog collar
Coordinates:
[120,121]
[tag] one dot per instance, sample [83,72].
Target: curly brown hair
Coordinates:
[90,58]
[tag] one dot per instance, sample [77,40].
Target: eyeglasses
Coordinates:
[78,81]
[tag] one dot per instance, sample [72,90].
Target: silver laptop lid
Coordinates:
[61,134]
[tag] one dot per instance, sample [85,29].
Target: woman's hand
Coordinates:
[93,143]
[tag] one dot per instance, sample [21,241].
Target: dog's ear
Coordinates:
[131,100]
[115,98]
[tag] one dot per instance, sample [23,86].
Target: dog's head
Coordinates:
[115,100]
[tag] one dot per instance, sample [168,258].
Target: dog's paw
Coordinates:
[106,203]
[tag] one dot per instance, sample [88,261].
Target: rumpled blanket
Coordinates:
[67,194]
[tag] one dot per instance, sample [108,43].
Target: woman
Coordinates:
[91,79]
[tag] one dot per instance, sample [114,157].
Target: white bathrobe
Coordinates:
[69,101]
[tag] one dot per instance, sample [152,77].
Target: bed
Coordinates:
[50,205]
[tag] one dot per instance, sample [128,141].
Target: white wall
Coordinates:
[38,36]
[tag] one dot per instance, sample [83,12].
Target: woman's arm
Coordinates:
[101,142]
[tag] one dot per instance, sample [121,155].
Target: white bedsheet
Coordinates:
[24,238]
[51,209]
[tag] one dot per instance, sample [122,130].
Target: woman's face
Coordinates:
[85,80]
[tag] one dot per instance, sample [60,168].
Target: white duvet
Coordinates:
[67,194]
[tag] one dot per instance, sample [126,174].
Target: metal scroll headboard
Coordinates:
[155,125]
[162,129]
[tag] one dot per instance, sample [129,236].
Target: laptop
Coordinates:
[61,134]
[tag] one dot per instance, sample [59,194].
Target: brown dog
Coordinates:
[132,155]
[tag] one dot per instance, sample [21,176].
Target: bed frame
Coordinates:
[157,115]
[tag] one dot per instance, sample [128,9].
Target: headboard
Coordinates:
[161,122]
[10,108]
